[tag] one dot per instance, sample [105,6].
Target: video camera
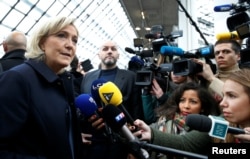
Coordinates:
[186,66]
[159,39]
[150,70]
[239,21]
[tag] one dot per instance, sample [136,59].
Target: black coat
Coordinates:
[37,114]
[12,58]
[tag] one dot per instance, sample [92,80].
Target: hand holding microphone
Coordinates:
[87,105]
[216,126]
[116,119]
[110,94]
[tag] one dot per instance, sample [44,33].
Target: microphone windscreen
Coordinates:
[137,60]
[227,36]
[223,8]
[198,122]
[86,104]
[129,50]
[114,117]
[96,84]
[170,50]
[110,94]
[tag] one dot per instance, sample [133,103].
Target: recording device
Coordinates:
[86,104]
[138,42]
[216,126]
[207,51]
[228,35]
[238,22]
[96,84]
[159,39]
[224,8]
[86,65]
[239,19]
[110,94]
[117,121]
[143,53]
[185,67]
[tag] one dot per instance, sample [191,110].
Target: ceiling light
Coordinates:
[137,28]
[142,14]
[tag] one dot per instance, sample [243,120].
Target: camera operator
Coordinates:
[227,56]
[158,95]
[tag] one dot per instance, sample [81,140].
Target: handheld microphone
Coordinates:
[110,94]
[217,127]
[86,105]
[228,35]
[94,90]
[115,118]
[224,8]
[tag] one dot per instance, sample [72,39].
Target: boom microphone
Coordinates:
[217,127]
[224,8]
[143,53]
[94,90]
[129,50]
[117,121]
[228,35]
[171,50]
[206,51]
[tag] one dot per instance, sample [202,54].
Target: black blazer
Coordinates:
[125,81]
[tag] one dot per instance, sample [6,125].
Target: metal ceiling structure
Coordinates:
[156,12]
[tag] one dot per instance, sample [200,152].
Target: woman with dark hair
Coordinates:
[169,130]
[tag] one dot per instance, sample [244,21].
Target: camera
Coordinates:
[239,21]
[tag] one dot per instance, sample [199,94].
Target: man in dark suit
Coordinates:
[14,47]
[125,81]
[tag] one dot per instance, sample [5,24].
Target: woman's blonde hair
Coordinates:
[52,26]
[242,77]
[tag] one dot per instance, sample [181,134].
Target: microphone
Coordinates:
[115,118]
[217,127]
[171,50]
[110,94]
[207,51]
[228,35]
[129,50]
[224,8]
[143,53]
[94,90]
[86,105]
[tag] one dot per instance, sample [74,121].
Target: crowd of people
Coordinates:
[41,120]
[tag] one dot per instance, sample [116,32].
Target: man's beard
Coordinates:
[109,63]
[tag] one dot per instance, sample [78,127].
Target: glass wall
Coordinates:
[97,20]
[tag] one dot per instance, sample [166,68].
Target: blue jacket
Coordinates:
[38,117]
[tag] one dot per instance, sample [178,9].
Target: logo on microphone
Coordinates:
[107,96]
[119,117]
